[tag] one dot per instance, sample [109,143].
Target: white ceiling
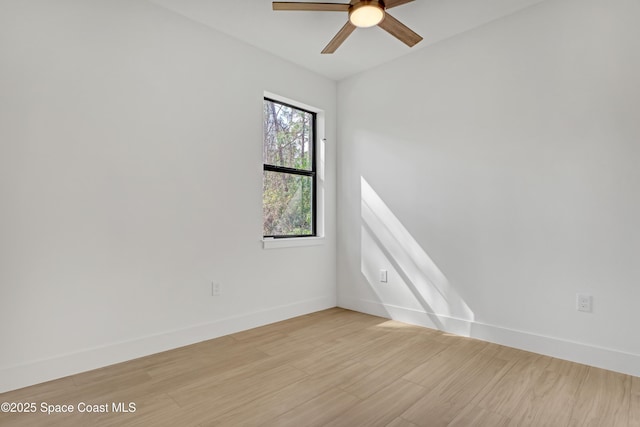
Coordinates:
[300,36]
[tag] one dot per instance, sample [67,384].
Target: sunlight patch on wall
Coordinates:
[415,283]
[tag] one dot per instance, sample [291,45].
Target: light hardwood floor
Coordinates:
[341,368]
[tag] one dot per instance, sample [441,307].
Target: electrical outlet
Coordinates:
[383,276]
[215,289]
[584,302]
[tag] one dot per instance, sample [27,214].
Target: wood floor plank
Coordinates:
[446,400]
[479,417]
[401,422]
[322,334]
[444,363]
[515,386]
[390,348]
[316,412]
[634,404]
[296,323]
[635,385]
[273,405]
[225,395]
[341,350]
[340,368]
[43,391]
[603,399]
[546,401]
[175,375]
[413,354]
[382,407]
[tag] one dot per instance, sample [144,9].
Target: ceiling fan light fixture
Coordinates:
[366,14]
[362,13]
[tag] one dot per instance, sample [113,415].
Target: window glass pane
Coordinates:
[287,204]
[288,136]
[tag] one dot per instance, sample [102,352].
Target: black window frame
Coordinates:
[300,172]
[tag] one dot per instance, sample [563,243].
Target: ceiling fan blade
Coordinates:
[339,38]
[388,4]
[400,31]
[319,7]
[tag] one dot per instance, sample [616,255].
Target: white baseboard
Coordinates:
[586,354]
[35,372]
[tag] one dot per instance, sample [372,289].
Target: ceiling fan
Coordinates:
[362,13]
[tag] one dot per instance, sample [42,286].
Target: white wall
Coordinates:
[495,175]
[130,178]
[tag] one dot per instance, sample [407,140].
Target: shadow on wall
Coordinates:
[416,290]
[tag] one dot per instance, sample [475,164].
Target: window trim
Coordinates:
[270,243]
[304,239]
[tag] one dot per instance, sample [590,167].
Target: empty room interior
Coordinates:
[214,212]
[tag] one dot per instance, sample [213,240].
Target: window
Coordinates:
[289,177]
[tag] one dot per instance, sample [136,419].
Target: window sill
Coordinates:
[292,242]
